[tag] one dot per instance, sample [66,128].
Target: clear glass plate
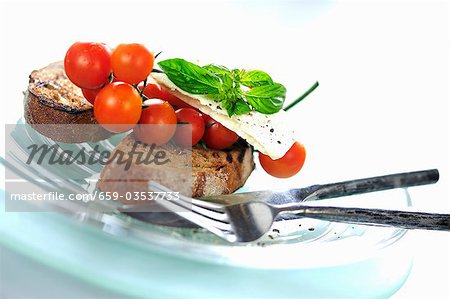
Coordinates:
[301,258]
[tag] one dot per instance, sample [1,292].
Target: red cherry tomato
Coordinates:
[131,63]
[157,124]
[118,107]
[173,100]
[90,94]
[88,65]
[186,136]
[154,91]
[216,135]
[288,165]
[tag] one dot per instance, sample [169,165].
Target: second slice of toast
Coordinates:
[57,109]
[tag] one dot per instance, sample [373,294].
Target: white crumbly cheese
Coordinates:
[268,133]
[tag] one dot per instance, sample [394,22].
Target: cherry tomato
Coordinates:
[288,165]
[216,135]
[157,124]
[90,94]
[118,107]
[173,100]
[131,63]
[187,136]
[154,91]
[88,65]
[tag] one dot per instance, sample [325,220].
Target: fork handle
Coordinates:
[385,182]
[403,219]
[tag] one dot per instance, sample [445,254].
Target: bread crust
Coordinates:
[214,172]
[52,100]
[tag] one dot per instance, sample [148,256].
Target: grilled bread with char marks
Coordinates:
[52,100]
[214,172]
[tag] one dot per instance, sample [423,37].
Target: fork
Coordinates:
[249,221]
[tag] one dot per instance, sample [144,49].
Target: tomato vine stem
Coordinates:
[143,87]
[311,89]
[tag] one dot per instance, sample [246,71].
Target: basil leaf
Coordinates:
[237,74]
[241,107]
[237,107]
[267,99]
[190,77]
[229,106]
[227,82]
[256,78]
[217,69]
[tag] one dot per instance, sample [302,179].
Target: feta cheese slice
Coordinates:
[268,133]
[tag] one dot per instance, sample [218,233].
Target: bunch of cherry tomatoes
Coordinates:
[116,83]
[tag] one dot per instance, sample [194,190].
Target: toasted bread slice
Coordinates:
[51,99]
[214,172]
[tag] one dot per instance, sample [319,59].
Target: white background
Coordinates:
[383,67]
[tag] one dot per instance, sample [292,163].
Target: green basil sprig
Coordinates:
[224,85]
[267,98]
[190,77]
[256,78]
